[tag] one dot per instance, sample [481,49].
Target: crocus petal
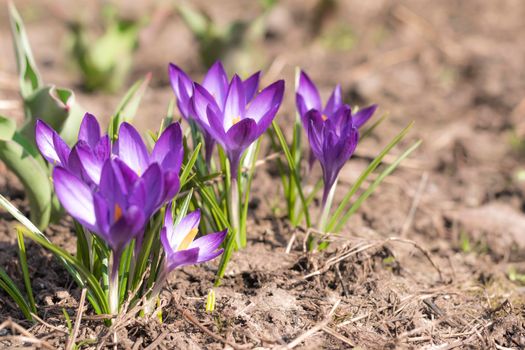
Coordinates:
[182,229]
[75,196]
[301,106]
[152,181]
[91,165]
[215,126]
[251,85]
[182,258]
[61,148]
[113,184]
[242,134]
[126,228]
[266,120]
[267,99]
[216,82]
[309,92]
[168,150]
[208,245]
[182,87]
[334,102]
[171,185]
[131,149]
[102,213]
[46,141]
[362,116]
[315,135]
[200,101]
[235,103]
[89,131]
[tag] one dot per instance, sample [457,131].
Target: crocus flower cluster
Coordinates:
[113,191]
[232,114]
[332,131]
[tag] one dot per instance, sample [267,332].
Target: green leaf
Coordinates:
[34,176]
[25,270]
[128,106]
[7,128]
[336,217]
[29,77]
[187,168]
[374,185]
[7,284]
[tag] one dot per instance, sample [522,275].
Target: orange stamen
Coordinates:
[188,239]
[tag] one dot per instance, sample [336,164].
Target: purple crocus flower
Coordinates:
[307,98]
[332,141]
[216,83]
[236,120]
[55,150]
[179,245]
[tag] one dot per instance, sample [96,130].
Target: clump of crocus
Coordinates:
[113,191]
[216,83]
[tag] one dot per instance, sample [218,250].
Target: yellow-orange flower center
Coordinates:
[324,117]
[236,120]
[188,239]
[117,214]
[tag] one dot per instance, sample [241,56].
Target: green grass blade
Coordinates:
[25,270]
[87,278]
[364,175]
[293,169]
[187,168]
[7,284]
[374,185]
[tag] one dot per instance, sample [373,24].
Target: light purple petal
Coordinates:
[46,139]
[309,92]
[102,213]
[208,245]
[266,100]
[75,196]
[168,150]
[266,120]
[334,102]
[216,82]
[61,148]
[251,85]
[182,87]
[91,165]
[89,131]
[362,116]
[182,229]
[131,149]
[235,104]
[215,126]
[200,101]
[182,258]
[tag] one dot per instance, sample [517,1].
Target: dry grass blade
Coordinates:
[78,319]
[25,337]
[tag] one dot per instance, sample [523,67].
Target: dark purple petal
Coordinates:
[309,92]
[61,148]
[152,182]
[268,98]
[216,82]
[89,131]
[334,102]
[171,185]
[46,139]
[126,228]
[266,120]
[131,149]
[235,103]
[102,213]
[208,245]
[182,87]
[182,258]
[75,196]
[168,150]
[242,134]
[315,133]
[113,185]
[251,85]
[215,126]
[362,116]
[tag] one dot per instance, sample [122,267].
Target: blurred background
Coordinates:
[454,67]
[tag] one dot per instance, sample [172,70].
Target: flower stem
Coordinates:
[234,212]
[113,284]
[326,205]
